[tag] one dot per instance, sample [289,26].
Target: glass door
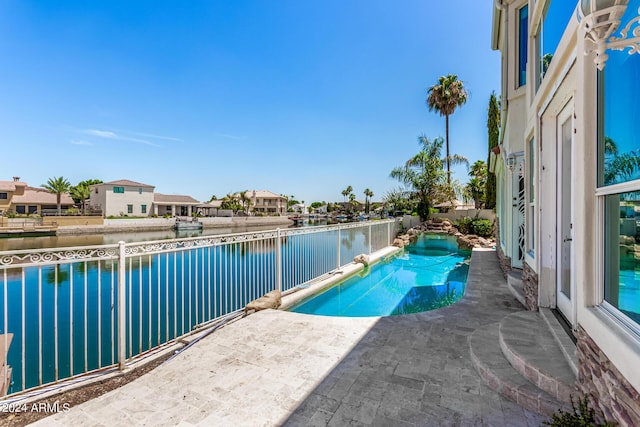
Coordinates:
[565,294]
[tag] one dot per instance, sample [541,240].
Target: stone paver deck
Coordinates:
[280,368]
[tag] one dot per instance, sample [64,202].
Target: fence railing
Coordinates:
[73,311]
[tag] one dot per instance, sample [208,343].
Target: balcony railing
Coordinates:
[74,311]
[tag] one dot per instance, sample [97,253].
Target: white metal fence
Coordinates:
[77,310]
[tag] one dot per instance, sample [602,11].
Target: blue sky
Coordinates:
[209,97]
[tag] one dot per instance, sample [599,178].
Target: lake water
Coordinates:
[71,305]
[18,243]
[65,241]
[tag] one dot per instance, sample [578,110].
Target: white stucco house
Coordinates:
[568,174]
[122,197]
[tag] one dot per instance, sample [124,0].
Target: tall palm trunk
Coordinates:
[448,158]
[58,199]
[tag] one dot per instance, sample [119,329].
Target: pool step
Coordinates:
[528,358]
[530,347]
[514,282]
[501,376]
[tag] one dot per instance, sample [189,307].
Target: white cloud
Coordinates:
[112,135]
[152,136]
[80,142]
[101,133]
[230,136]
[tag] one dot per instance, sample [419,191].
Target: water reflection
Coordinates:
[66,241]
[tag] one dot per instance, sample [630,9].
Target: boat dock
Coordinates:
[28,232]
[27,227]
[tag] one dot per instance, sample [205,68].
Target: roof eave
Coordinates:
[495,27]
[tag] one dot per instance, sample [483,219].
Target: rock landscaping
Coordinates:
[444,226]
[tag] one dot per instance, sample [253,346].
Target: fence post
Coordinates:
[338,251]
[122,304]
[279,261]
[369,239]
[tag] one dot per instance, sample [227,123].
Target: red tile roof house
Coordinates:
[8,189]
[18,197]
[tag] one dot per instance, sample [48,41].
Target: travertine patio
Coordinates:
[275,368]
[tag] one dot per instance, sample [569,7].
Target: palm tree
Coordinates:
[57,186]
[367,196]
[352,201]
[245,201]
[444,97]
[82,191]
[79,194]
[231,202]
[424,175]
[345,193]
[478,182]
[478,169]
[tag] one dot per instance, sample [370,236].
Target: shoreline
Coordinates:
[164,224]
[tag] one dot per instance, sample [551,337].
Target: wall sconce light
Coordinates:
[511,162]
[600,18]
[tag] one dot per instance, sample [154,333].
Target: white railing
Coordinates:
[78,310]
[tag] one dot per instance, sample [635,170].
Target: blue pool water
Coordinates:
[432,273]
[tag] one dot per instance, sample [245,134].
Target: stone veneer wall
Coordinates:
[505,261]
[530,286]
[611,392]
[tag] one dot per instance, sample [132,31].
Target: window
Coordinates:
[621,254]
[144,209]
[20,209]
[129,208]
[531,205]
[619,163]
[555,18]
[4,196]
[523,37]
[33,209]
[119,190]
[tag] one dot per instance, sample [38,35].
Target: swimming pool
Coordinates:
[430,274]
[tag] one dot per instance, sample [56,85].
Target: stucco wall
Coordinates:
[115,204]
[75,220]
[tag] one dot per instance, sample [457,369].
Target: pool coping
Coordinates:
[296,295]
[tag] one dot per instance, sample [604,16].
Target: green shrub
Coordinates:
[582,415]
[482,227]
[72,211]
[464,225]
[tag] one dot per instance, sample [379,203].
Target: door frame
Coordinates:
[566,306]
[518,207]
